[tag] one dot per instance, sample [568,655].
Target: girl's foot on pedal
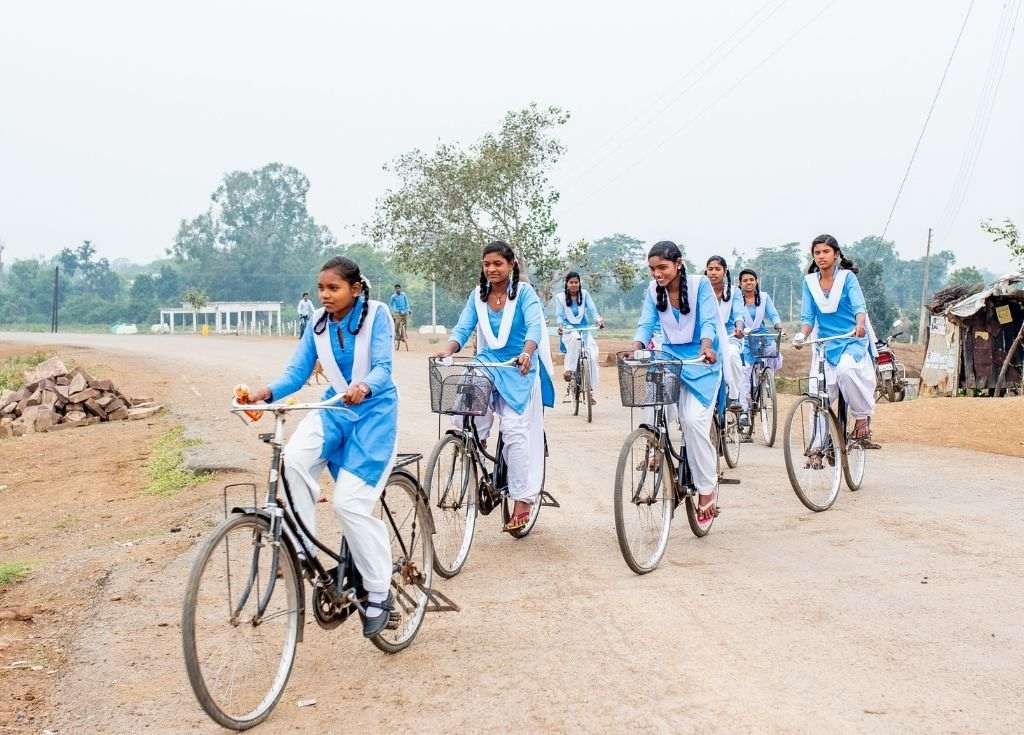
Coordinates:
[567,375]
[520,517]
[707,508]
[861,429]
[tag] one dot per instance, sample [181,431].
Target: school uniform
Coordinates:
[682,335]
[729,312]
[574,315]
[753,317]
[517,399]
[848,362]
[359,454]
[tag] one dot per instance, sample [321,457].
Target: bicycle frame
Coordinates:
[820,394]
[682,481]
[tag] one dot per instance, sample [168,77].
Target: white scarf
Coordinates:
[361,358]
[678,332]
[827,304]
[724,310]
[758,312]
[486,334]
[569,316]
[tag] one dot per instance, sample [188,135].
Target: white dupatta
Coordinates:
[569,316]
[361,358]
[486,339]
[827,304]
[678,331]
[758,313]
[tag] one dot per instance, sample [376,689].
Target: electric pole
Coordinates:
[56,297]
[922,331]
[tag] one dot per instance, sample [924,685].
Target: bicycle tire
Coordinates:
[769,409]
[443,566]
[587,391]
[665,484]
[507,504]
[700,530]
[290,579]
[791,468]
[855,462]
[730,442]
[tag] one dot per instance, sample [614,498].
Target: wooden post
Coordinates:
[921,331]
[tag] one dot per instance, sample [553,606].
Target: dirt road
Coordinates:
[899,610]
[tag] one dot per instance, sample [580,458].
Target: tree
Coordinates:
[779,273]
[257,239]
[1008,235]
[617,258]
[969,277]
[880,309]
[451,202]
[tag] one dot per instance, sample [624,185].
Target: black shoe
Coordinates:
[375,625]
[744,420]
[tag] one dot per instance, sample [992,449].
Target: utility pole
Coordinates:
[433,306]
[922,331]
[56,297]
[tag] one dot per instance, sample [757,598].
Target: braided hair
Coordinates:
[757,284]
[505,251]
[569,298]
[844,262]
[348,271]
[727,293]
[668,250]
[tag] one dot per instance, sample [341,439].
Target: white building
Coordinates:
[235,317]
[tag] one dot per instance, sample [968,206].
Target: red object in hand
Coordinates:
[242,394]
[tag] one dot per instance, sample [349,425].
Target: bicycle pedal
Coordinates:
[394,620]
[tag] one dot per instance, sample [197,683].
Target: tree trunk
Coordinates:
[1009,358]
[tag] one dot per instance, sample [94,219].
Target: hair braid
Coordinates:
[513,285]
[684,292]
[728,286]
[366,306]
[757,293]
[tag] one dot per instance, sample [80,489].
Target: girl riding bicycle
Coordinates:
[833,304]
[756,308]
[685,309]
[509,322]
[574,308]
[728,309]
[352,337]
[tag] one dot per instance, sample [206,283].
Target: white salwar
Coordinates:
[732,353]
[573,347]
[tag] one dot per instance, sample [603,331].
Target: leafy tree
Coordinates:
[779,272]
[167,285]
[451,202]
[1008,235]
[969,277]
[880,309]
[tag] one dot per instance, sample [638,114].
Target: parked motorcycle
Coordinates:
[890,374]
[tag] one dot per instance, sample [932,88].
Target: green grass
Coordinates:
[11,369]
[166,467]
[12,571]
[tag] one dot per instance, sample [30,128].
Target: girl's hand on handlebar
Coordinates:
[244,395]
[356,394]
[523,361]
[859,331]
[708,354]
[600,323]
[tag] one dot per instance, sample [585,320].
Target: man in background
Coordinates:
[305,311]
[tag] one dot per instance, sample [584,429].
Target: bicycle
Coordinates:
[579,384]
[652,478]
[764,402]
[401,331]
[243,614]
[825,447]
[463,480]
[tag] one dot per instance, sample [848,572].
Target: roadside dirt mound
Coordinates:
[983,424]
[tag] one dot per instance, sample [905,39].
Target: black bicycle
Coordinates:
[580,388]
[463,480]
[816,443]
[652,478]
[764,402]
[244,609]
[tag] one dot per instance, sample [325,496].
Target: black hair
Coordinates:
[348,271]
[727,293]
[505,250]
[305,293]
[569,299]
[757,284]
[398,285]
[844,262]
[670,251]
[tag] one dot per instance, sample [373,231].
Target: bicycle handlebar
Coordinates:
[829,339]
[579,329]
[660,361]
[473,362]
[328,405]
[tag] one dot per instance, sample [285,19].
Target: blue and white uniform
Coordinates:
[682,335]
[753,317]
[359,454]
[575,315]
[848,363]
[518,399]
[729,311]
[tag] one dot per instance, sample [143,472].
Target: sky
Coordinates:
[724,126]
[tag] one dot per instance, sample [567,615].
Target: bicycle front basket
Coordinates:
[459,390]
[645,381]
[764,346]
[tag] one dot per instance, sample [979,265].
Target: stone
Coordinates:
[49,398]
[18,427]
[45,418]
[6,396]
[63,380]
[28,418]
[106,399]
[138,401]
[114,405]
[118,415]
[95,409]
[104,385]
[83,395]
[6,428]
[75,417]
[52,368]
[62,391]
[134,414]
[78,382]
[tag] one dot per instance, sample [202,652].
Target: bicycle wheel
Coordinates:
[408,523]
[811,445]
[576,390]
[731,439]
[855,460]
[451,488]
[643,501]
[698,527]
[586,390]
[768,407]
[507,504]
[239,663]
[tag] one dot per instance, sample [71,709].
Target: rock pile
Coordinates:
[54,398]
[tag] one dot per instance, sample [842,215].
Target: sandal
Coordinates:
[708,511]
[517,521]
[861,430]
[814,461]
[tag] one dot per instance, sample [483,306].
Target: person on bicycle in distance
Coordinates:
[508,319]
[717,272]
[352,338]
[755,308]
[833,303]
[685,309]
[574,307]
[400,308]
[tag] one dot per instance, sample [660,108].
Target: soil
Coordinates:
[898,610]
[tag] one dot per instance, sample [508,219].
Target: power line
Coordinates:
[927,119]
[729,90]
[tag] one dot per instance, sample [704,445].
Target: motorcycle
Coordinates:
[890,374]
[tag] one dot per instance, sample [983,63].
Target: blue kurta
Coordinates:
[366,446]
[589,315]
[513,386]
[735,312]
[399,303]
[843,320]
[749,314]
[701,379]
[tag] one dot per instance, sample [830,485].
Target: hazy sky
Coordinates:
[117,120]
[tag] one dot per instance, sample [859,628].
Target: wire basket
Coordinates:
[459,389]
[764,346]
[646,381]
